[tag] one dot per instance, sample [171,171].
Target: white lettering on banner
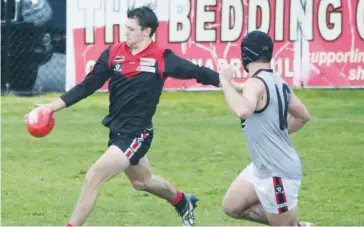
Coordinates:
[259,13]
[283,66]
[279,21]
[280,65]
[231,26]
[329,58]
[300,19]
[114,15]
[360,18]
[335,20]
[356,74]
[208,62]
[179,24]
[253,7]
[89,8]
[301,15]
[204,15]
[111,12]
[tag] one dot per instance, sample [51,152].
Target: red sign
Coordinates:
[336,51]
[312,45]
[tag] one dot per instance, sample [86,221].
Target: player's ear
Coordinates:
[147,32]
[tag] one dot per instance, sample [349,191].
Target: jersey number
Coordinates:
[283,107]
[243,123]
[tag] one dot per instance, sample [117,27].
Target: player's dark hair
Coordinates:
[145,17]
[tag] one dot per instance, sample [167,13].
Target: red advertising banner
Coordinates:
[336,49]
[317,43]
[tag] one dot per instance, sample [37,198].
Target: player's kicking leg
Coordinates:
[110,164]
[125,152]
[141,178]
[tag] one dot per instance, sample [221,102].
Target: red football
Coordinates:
[40,122]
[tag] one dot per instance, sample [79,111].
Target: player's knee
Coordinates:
[231,208]
[139,185]
[93,178]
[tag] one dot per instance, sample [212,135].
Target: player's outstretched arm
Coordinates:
[298,114]
[179,68]
[243,105]
[93,81]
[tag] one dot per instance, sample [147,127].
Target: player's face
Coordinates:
[134,32]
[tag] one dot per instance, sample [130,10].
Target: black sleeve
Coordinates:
[180,68]
[93,81]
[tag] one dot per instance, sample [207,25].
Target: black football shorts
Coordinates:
[134,147]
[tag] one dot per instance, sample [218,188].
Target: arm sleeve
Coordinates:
[179,68]
[92,82]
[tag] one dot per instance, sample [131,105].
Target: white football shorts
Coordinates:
[276,194]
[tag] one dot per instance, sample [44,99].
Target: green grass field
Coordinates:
[198,146]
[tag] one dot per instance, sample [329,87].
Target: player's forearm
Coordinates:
[74,95]
[57,105]
[180,68]
[207,76]
[202,74]
[295,124]
[92,82]
[236,101]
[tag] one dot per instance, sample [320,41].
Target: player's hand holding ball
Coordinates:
[40,121]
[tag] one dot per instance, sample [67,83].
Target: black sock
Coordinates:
[180,201]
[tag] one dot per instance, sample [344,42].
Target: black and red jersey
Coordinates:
[136,83]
